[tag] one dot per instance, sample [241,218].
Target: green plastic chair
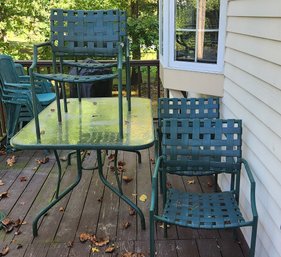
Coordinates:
[79,34]
[10,79]
[209,147]
[185,108]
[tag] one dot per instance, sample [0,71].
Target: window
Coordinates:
[197,29]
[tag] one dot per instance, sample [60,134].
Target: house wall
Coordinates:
[192,81]
[252,92]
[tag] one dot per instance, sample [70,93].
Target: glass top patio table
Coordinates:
[91,124]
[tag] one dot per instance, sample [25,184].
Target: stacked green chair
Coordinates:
[15,93]
[185,108]
[208,147]
[79,34]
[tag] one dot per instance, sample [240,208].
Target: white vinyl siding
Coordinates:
[252,92]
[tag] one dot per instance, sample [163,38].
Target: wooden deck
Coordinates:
[92,208]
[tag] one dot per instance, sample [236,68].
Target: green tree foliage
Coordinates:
[23,23]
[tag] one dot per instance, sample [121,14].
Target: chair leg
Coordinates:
[253,239]
[152,240]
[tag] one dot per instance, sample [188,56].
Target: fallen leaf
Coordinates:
[126,224]
[24,222]
[34,168]
[52,110]
[83,237]
[17,223]
[127,179]
[100,199]
[19,246]
[1,183]
[95,250]
[2,152]
[5,250]
[111,168]
[210,184]
[43,161]
[23,178]
[6,221]
[101,242]
[143,198]
[3,195]
[11,161]
[135,195]
[69,244]
[192,181]
[17,233]
[61,209]
[110,249]
[132,211]
[152,161]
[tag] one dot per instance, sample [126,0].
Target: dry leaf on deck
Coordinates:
[17,233]
[132,211]
[23,178]
[192,181]
[4,251]
[52,110]
[19,246]
[127,179]
[43,161]
[101,242]
[63,158]
[162,225]
[69,244]
[11,161]
[126,224]
[95,250]
[210,184]
[152,161]
[6,221]
[1,183]
[120,169]
[143,198]
[2,152]
[17,223]
[3,195]
[110,249]
[61,209]
[83,237]
[168,185]
[24,222]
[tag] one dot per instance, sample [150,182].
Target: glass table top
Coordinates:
[90,124]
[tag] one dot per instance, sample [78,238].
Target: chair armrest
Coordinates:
[154,183]
[35,56]
[253,188]
[19,85]
[24,78]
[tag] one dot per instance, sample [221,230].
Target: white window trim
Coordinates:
[169,28]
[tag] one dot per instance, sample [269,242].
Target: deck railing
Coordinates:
[145,83]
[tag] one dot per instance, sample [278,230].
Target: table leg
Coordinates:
[118,192]
[59,196]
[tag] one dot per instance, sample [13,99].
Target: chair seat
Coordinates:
[90,65]
[60,77]
[46,98]
[207,211]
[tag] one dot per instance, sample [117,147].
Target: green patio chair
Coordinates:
[79,34]
[207,146]
[185,108]
[11,80]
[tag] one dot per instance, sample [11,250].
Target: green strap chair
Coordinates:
[209,147]
[185,108]
[79,34]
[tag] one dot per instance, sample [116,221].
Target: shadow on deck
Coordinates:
[92,208]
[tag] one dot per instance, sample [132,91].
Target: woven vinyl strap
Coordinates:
[202,145]
[78,32]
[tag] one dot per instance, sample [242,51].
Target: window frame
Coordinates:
[192,66]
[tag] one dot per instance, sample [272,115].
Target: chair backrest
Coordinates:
[202,145]
[188,108]
[85,33]
[8,70]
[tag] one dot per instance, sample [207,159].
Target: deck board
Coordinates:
[92,208]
